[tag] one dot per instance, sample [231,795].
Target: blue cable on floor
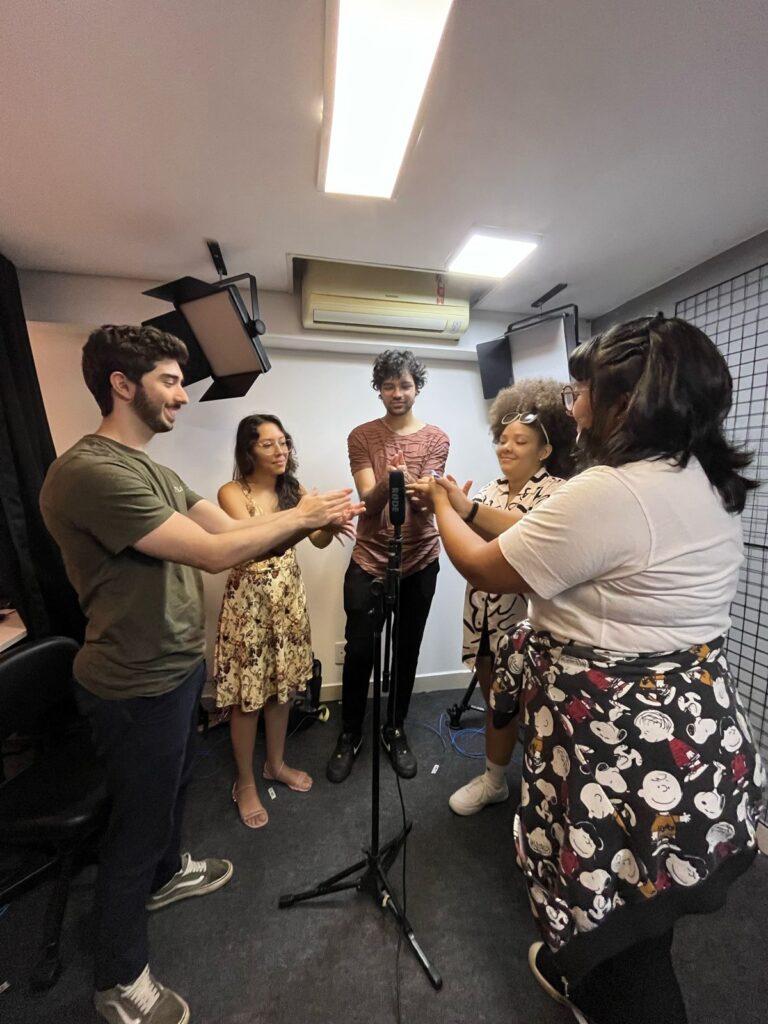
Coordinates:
[453,736]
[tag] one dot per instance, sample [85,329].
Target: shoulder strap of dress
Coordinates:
[250,504]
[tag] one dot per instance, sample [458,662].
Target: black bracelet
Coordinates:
[472,512]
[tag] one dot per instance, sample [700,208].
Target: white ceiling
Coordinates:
[631,135]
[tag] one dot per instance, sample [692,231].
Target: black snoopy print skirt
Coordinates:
[641,788]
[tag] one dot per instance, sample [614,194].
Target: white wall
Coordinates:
[319,395]
[730,263]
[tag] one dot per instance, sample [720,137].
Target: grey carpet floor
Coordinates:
[238,959]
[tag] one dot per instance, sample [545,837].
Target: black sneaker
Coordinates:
[395,742]
[555,987]
[343,757]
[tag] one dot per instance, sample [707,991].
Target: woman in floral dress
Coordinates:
[263,648]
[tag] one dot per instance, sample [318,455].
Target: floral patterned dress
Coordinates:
[263,645]
[499,613]
[641,788]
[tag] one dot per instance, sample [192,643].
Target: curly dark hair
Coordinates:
[542,396]
[287,487]
[394,362]
[661,389]
[133,351]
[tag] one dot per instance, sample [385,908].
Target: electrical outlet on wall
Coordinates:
[338,652]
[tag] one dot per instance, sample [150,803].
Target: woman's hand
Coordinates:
[342,531]
[426,493]
[458,496]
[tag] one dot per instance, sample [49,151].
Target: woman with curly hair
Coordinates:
[263,648]
[533,437]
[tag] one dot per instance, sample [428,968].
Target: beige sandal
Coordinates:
[255,819]
[303,782]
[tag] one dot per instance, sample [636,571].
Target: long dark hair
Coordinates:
[540,395]
[287,487]
[661,389]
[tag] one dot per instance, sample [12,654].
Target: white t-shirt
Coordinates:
[641,558]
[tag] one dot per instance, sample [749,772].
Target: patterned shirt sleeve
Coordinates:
[437,455]
[359,452]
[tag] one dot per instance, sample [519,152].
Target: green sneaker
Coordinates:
[196,878]
[144,1001]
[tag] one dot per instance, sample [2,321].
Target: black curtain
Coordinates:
[31,570]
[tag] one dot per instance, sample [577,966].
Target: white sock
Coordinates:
[496,773]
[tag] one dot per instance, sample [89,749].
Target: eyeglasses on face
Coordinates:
[569,394]
[527,419]
[285,444]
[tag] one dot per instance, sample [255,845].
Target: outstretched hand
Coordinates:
[332,507]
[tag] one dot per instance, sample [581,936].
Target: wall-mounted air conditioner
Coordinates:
[377,300]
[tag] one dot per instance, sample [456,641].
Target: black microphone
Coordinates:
[396,497]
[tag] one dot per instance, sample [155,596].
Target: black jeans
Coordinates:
[416,593]
[639,986]
[148,747]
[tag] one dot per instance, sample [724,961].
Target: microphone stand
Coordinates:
[377,859]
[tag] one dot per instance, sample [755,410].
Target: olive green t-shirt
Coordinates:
[145,630]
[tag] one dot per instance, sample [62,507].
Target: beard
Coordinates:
[149,412]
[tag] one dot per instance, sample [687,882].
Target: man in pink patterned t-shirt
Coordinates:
[396,441]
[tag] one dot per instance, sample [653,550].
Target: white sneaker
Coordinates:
[477,794]
[144,1001]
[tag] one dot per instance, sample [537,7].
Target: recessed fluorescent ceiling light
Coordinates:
[384,53]
[490,255]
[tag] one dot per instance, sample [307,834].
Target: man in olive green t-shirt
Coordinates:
[134,537]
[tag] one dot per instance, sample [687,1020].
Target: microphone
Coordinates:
[396,497]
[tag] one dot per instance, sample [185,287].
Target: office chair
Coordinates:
[51,812]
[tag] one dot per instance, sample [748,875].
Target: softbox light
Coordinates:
[222,337]
[544,331]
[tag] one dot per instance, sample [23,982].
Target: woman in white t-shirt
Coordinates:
[641,782]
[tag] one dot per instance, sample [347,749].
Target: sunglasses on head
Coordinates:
[527,419]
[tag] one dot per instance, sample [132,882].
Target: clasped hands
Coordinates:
[433,492]
[397,464]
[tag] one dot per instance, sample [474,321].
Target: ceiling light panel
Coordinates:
[384,54]
[491,255]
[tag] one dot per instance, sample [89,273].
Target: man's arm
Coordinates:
[214,520]
[374,493]
[434,466]
[181,539]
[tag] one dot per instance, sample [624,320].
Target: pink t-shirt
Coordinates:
[373,446]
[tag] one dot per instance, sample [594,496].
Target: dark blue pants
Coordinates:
[148,747]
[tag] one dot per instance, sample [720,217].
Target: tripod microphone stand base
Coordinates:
[378,859]
[455,711]
[373,881]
